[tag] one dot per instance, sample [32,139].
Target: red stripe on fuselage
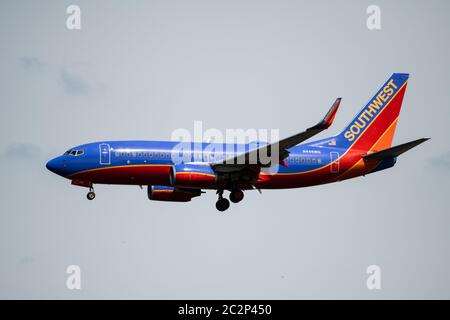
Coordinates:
[132,174]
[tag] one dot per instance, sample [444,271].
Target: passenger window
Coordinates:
[79,152]
[150,154]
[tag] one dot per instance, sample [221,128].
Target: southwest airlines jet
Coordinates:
[363,147]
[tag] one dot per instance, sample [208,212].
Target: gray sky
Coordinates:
[143,69]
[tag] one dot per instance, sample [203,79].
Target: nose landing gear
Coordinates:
[90,195]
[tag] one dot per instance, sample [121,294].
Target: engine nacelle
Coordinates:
[193,176]
[160,193]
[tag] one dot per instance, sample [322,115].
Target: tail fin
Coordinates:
[373,127]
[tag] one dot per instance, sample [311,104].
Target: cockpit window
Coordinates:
[74,152]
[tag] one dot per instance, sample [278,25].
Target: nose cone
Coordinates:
[56,166]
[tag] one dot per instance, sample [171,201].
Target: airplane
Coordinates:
[363,147]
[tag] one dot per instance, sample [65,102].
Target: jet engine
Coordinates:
[161,193]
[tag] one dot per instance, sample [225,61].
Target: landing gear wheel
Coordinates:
[222,204]
[90,195]
[236,196]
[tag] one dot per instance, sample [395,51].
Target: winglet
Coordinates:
[327,121]
[329,118]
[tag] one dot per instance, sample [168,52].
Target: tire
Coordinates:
[222,204]
[90,195]
[236,196]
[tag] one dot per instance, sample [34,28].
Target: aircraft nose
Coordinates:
[56,166]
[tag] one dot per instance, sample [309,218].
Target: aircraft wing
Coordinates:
[260,157]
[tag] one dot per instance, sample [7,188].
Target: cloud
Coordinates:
[78,79]
[27,260]
[22,151]
[31,63]
[441,161]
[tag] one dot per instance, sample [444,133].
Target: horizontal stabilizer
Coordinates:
[394,151]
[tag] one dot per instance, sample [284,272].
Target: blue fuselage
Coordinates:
[152,163]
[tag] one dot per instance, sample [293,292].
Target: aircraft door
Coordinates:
[105,153]
[334,159]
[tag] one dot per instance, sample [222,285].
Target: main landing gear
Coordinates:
[90,195]
[223,204]
[236,196]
